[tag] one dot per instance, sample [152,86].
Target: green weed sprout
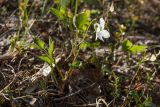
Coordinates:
[48,55]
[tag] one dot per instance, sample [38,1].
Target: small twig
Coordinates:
[4,96]
[20,62]
[3,76]
[83,105]
[72,94]
[101,100]
[21,97]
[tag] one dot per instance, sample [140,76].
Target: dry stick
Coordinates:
[101,100]
[3,76]
[19,65]
[72,94]
[4,96]
[83,105]
[21,97]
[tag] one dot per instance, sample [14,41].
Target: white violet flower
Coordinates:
[100,31]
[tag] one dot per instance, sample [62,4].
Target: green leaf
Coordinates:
[57,13]
[75,64]
[126,45]
[81,21]
[138,48]
[148,102]
[46,59]
[135,95]
[39,43]
[51,47]
[85,45]
[95,44]
[63,5]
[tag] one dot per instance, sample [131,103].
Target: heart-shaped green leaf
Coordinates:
[81,21]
